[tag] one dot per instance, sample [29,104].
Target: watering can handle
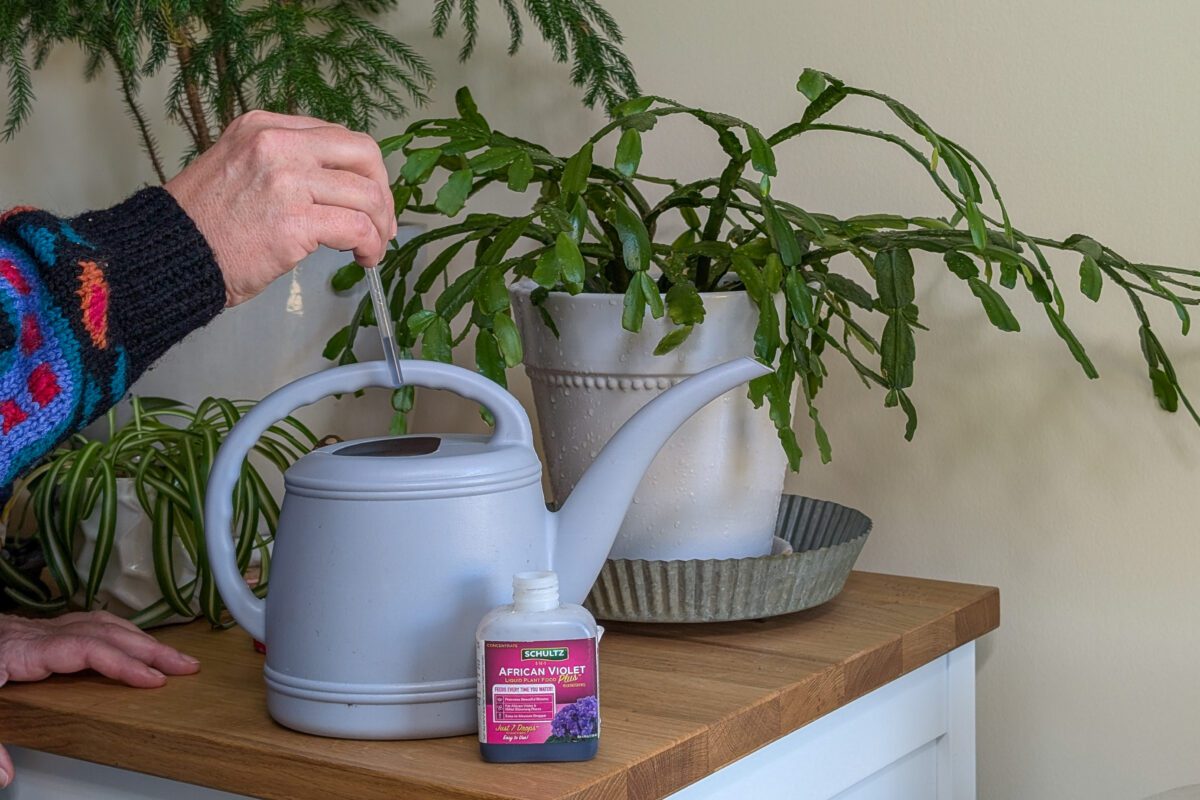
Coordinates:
[512,428]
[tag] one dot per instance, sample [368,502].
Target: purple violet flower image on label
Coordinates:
[578,720]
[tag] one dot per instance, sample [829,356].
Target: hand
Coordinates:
[34,649]
[273,188]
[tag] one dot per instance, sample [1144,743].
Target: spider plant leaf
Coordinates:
[271,452]
[299,427]
[185,529]
[266,501]
[173,493]
[74,488]
[249,521]
[211,443]
[195,495]
[210,601]
[105,533]
[264,564]
[57,554]
[158,611]
[162,540]
[282,448]
[11,577]
[153,404]
[36,604]
[229,413]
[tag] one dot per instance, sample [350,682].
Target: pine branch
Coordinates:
[149,145]
[328,61]
[183,53]
[322,57]
[579,31]
[20,83]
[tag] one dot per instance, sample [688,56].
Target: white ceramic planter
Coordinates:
[250,350]
[129,584]
[714,490]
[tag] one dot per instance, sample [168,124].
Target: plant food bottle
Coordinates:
[537,689]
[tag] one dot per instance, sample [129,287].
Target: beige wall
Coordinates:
[1077,499]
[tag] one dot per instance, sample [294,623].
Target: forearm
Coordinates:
[86,305]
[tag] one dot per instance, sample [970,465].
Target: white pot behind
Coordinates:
[129,582]
[713,491]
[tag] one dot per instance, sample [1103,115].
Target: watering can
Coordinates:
[390,550]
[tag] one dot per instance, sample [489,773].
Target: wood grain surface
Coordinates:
[677,701]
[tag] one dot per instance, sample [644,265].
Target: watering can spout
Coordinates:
[588,522]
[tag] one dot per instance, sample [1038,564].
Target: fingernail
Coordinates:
[4,779]
[189,659]
[156,673]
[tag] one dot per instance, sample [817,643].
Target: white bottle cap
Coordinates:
[535,591]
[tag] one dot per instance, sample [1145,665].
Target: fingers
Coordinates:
[94,640]
[69,653]
[76,617]
[339,148]
[258,118]
[275,187]
[140,645]
[349,190]
[6,768]
[346,229]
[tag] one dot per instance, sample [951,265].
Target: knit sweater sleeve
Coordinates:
[86,305]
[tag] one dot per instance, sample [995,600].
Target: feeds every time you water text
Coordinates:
[538,692]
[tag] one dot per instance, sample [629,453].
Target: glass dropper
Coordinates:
[383,319]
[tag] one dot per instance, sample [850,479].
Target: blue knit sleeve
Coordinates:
[86,304]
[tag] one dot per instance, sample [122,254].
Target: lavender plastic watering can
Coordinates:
[389,551]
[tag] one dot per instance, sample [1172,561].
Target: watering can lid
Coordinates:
[418,465]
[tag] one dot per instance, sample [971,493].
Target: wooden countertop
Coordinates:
[678,703]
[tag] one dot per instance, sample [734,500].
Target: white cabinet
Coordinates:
[912,739]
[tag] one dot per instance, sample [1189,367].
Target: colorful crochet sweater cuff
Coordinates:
[86,305]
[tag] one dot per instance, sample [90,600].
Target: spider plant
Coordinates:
[166,449]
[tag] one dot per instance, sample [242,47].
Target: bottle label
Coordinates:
[538,692]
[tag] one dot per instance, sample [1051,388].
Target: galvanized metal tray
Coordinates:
[824,540]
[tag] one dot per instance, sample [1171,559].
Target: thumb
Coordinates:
[6,765]
[6,768]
